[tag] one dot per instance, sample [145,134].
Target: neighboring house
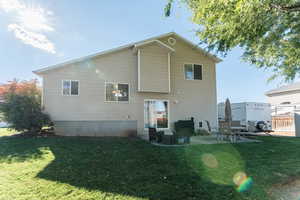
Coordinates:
[285,100]
[123,91]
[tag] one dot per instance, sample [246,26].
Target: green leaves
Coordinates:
[168,8]
[267,30]
[22,107]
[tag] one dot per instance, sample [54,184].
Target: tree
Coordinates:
[228,115]
[21,106]
[267,30]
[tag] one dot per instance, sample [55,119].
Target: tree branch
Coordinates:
[292,8]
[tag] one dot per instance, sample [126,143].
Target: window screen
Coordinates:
[70,88]
[74,87]
[188,69]
[197,72]
[193,72]
[123,92]
[66,87]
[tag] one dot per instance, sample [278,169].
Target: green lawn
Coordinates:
[107,168]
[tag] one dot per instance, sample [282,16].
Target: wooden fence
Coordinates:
[283,123]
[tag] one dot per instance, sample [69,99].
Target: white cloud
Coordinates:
[11,5]
[31,23]
[34,19]
[34,39]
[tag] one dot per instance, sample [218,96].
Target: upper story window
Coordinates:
[193,72]
[116,92]
[70,88]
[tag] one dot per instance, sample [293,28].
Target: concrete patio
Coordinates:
[212,139]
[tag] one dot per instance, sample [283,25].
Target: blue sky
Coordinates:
[37,34]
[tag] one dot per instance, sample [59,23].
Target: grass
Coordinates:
[115,168]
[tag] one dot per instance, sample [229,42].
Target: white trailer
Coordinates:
[250,115]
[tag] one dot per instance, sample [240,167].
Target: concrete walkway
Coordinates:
[278,133]
[212,139]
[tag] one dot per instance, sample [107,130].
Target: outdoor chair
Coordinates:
[226,131]
[155,135]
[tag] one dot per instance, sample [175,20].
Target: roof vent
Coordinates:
[172,41]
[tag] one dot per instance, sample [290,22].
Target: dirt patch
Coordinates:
[30,135]
[287,190]
[43,133]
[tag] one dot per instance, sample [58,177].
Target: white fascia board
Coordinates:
[154,41]
[45,69]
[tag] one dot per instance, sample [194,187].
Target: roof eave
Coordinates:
[154,41]
[46,69]
[215,58]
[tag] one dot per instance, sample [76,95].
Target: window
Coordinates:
[193,72]
[156,114]
[117,92]
[70,88]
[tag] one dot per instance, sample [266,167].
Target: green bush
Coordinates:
[22,107]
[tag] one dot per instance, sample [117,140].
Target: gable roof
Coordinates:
[141,44]
[135,44]
[286,88]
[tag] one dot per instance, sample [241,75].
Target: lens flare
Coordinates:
[210,160]
[243,182]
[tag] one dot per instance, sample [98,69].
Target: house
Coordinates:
[285,104]
[285,100]
[123,91]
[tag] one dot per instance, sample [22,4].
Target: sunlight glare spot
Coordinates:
[210,160]
[29,22]
[34,19]
[99,74]
[243,182]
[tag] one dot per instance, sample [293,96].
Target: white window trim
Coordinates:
[169,71]
[146,129]
[111,82]
[139,70]
[193,71]
[71,95]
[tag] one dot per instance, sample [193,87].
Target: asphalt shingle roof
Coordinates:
[286,88]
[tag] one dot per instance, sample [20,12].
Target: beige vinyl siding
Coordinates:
[154,62]
[92,75]
[187,98]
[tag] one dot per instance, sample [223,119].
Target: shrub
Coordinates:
[22,106]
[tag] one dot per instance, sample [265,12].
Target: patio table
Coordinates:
[233,133]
